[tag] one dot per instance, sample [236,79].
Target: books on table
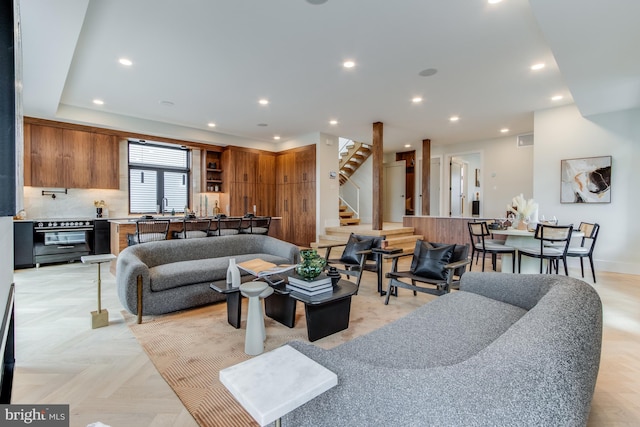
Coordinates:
[262,268]
[319,285]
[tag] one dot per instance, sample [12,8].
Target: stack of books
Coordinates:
[317,286]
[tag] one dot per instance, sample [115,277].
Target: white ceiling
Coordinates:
[214,59]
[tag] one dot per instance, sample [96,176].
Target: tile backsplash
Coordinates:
[76,203]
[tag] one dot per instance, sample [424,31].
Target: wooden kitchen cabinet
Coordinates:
[266,169]
[285,165]
[68,158]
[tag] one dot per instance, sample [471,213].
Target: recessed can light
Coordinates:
[211,124]
[536,67]
[263,101]
[262,125]
[407,145]
[504,130]
[493,1]
[348,64]
[427,72]
[276,137]
[98,101]
[454,118]
[125,61]
[333,122]
[556,98]
[416,100]
[167,103]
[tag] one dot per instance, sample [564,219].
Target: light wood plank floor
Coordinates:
[105,375]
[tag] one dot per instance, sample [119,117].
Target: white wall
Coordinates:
[562,133]
[327,188]
[363,178]
[506,170]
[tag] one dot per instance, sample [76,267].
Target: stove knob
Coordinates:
[55,224]
[75,224]
[40,224]
[65,224]
[87,223]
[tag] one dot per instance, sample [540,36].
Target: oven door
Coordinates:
[61,245]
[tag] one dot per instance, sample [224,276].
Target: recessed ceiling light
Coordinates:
[263,101]
[98,101]
[416,100]
[316,2]
[125,61]
[427,72]
[333,122]
[504,130]
[454,118]
[211,124]
[348,64]
[536,67]
[263,125]
[493,1]
[276,137]
[407,145]
[556,98]
[167,103]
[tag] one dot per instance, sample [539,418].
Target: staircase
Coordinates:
[351,157]
[397,236]
[347,217]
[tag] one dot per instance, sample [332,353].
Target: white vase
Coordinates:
[233,274]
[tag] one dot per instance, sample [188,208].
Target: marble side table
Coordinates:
[100,317]
[277,382]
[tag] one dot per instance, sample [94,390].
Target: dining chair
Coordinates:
[193,228]
[151,230]
[554,243]
[482,244]
[585,250]
[260,225]
[229,226]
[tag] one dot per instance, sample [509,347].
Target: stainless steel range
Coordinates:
[59,240]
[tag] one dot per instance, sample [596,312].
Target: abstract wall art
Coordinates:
[586,180]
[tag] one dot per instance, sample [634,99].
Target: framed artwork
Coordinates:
[586,180]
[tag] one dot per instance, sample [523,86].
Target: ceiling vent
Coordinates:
[525,140]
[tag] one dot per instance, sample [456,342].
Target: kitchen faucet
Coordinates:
[164,204]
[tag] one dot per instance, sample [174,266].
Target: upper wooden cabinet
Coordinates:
[240,165]
[266,169]
[68,158]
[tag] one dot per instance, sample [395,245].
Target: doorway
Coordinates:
[394,191]
[457,174]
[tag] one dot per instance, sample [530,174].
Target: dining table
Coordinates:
[524,239]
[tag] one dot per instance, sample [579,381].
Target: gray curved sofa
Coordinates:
[176,274]
[506,350]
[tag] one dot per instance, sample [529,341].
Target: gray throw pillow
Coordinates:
[350,256]
[430,261]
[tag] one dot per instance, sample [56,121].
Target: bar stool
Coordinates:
[255,335]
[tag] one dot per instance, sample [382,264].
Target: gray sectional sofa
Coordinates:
[505,350]
[176,274]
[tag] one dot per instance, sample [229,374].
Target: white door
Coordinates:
[394,191]
[456,189]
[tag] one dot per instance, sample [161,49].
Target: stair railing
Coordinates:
[349,194]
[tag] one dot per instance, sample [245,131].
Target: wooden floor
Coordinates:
[105,375]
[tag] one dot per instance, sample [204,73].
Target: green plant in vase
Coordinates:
[311,264]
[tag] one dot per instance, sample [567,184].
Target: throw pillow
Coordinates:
[350,255]
[431,262]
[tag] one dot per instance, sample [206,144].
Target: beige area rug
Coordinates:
[189,348]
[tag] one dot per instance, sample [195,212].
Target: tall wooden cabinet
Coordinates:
[296,194]
[249,177]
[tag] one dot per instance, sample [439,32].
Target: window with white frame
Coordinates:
[158,178]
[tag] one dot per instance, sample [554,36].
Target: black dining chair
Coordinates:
[587,243]
[482,244]
[150,230]
[554,243]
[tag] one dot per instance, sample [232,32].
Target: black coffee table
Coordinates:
[326,314]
